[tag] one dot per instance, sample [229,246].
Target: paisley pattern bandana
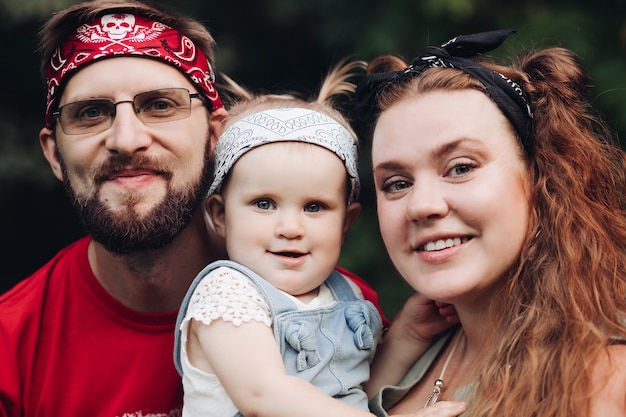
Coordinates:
[456,53]
[285,125]
[126,34]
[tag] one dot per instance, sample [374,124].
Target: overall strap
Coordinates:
[340,287]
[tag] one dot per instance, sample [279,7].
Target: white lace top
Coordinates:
[228,295]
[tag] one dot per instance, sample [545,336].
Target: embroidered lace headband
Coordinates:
[285,125]
[126,34]
[455,53]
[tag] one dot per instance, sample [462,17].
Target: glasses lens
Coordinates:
[88,116]
[163,105]
[96,115]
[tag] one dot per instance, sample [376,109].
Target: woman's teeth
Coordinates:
[443,244]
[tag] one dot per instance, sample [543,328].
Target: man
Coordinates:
[132,115]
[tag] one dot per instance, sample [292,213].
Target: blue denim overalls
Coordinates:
[331,347]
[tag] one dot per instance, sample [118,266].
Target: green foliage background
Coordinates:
[285,45]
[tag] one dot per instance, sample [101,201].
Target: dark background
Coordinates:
[284,45]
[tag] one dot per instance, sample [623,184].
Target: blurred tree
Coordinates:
[287,45]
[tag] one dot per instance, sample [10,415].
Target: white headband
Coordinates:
[285,125]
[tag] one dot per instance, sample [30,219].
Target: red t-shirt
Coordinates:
[68,348]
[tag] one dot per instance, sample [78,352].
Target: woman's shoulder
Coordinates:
[608,381]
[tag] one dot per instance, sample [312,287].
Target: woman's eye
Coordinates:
[460,169]
[393,186]
[263,204]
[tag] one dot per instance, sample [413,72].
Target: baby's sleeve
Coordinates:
[228,295]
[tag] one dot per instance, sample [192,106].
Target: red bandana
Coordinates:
[126,34]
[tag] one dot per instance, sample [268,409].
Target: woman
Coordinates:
[498,191]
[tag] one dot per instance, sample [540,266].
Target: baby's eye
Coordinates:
[264,204]
[313,207]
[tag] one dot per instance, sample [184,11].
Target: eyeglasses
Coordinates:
[97,115]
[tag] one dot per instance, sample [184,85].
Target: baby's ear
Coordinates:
[214,206]
[353,211]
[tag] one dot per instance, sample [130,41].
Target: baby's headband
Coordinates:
[133,35]
[285,125]
[455,53]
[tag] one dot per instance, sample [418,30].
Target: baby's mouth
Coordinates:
[289,254]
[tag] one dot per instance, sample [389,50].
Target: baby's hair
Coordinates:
[336,83]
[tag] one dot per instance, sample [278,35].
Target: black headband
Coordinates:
[455,53]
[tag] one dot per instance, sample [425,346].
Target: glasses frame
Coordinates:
[57,115]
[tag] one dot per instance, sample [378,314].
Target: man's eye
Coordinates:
[159,109]
[158,105]
[93,112]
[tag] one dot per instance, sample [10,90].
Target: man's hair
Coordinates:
[64,23]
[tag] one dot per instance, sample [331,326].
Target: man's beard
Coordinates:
[126,232]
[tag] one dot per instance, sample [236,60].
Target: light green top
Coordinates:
[390,395]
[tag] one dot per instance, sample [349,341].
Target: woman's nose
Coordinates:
[427,201]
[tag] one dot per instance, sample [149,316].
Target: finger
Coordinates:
[447,310]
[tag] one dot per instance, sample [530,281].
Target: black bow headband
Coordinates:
[455,53]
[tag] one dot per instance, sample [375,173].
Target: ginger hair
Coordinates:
[562,304]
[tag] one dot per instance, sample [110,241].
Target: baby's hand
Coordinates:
[422,319]
[448,311]
[409,336]
[439,409]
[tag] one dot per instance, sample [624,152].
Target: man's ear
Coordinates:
[49,147]
[217,120]
[214,206]
[353,211]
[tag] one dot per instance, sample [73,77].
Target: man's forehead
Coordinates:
[141,74]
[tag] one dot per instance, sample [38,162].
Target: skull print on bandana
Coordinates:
[117,26]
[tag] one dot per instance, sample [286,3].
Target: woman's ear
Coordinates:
[214,206]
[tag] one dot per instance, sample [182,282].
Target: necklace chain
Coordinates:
[438,386]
